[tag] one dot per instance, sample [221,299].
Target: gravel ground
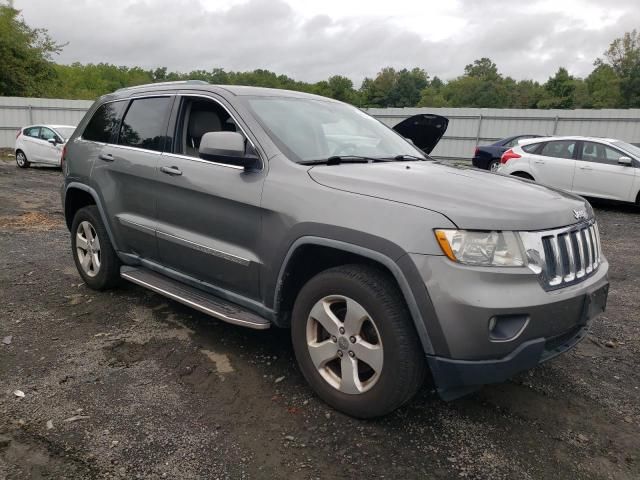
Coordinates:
[128,384]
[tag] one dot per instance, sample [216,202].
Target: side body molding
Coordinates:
[388,262]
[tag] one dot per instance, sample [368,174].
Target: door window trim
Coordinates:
[175,119]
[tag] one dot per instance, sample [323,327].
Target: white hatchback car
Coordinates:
[41,144]
[588,166]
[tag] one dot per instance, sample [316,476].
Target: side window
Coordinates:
[145,123]
[105,119]
[46,133]
[32,132]
[197,117]
[531,148]
[559,149]
[599,153]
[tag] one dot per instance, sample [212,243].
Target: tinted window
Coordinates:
[531,148]
[32,132]
[597,152]
[145,123]
[559,149]
[103,122]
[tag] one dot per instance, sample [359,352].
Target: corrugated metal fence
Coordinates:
[468,127]
[16,112]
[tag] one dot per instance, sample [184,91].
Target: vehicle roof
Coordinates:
[197,85]
[49,125]
[567,137]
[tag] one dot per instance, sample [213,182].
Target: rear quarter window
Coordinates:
[105,119]
[531,148]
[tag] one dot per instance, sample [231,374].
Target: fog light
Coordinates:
[505,328]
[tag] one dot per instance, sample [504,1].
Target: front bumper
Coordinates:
[465,300]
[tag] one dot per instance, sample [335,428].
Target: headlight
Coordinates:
[480,248]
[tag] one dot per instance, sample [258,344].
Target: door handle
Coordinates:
[171,170]
[107,157]
[540,162]
[586,168]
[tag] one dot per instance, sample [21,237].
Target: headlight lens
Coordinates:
[482,248]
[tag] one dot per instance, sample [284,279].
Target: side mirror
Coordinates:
[52,141]
[226,147]
[625,161]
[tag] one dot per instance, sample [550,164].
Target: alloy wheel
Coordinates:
[344,344]
[20,159]
[88,248]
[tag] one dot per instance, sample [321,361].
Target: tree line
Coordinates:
[27,69]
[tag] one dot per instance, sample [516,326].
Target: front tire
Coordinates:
[21,159]
[355,342]
[94,256]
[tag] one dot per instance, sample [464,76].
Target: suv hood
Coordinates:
[424,130]
[471,199]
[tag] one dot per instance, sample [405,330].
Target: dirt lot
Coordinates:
[128,384]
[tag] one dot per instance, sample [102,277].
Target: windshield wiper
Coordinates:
[410,157]
[338,159]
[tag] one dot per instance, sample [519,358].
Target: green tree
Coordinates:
[623,55]
[25,55]
[559,91]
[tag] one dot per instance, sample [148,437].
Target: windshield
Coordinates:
[307,129]
[66,132]
[627,147]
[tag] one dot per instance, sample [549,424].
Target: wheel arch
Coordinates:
[522,174]
[326,253]
[78,195]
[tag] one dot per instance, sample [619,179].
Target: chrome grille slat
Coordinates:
[563,256]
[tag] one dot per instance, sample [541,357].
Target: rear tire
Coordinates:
[21,159]
[369,360]
[93,254]
[523,175]
[493,166]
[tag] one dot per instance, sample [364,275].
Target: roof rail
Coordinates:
[177,82]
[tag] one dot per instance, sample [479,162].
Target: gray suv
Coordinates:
[269,208]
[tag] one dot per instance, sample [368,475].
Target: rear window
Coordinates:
[145,124]
[105,119]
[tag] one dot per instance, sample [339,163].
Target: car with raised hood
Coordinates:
[41,144]
[590,166]
[488,157]
[271,208]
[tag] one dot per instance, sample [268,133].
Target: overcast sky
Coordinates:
[313,39]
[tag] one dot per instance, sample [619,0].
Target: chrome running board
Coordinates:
[194,298]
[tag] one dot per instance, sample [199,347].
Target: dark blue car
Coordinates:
[487,157]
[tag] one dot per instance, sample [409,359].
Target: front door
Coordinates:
[598,173]
[48,152]
[208,213]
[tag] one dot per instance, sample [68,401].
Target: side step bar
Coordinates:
[194,298]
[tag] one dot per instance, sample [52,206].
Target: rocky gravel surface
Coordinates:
[128,384]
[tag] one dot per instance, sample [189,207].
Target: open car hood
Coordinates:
[424,130]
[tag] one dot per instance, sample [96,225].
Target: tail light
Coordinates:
[509,155]
[475,153]
[18,132]
[64,154]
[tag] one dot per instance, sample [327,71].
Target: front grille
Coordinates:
[565,256]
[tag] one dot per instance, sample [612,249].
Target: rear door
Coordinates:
[598,173]
[209,214]
[125,173]
[30,139]
[554,163]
